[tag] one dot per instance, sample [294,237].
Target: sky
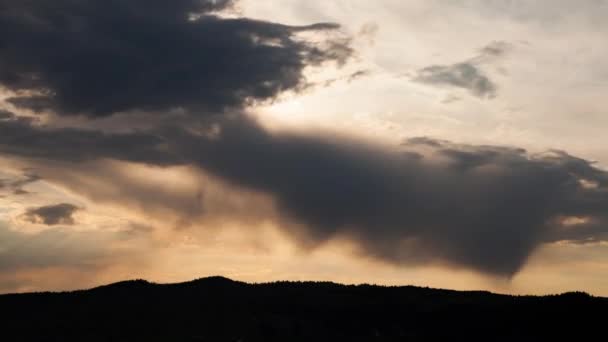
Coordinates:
[435,143]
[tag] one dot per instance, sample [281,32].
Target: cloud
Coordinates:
[368,32]
[543,13]
[16,184]
[52,215]
[482,207]
[493,50]
[22,137]
[5,115]
[100,57]
[461,75]
[486,208]
[427,201]
[466,75]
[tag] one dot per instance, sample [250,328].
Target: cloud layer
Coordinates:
[102,57]
[466,75]
[51,215]
[483,207]
[462,75]
[486,208]
[427,201]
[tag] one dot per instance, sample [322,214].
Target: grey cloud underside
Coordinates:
[482,207]
[52,215]
[461,75]
[486,208]
[102,57]
[468,74]
[16,184]
[5,115]
[493,50]
[21,137]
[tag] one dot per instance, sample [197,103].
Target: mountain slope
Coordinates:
[219,309]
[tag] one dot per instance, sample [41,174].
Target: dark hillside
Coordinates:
[219,309]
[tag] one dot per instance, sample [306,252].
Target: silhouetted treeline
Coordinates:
[218,309]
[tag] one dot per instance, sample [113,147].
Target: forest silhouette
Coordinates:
[219,309]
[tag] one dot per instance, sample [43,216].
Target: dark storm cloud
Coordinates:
[99,57]
[461,75]
[426,201]
[5,115]
[52,215]
[22,137]
[482,207]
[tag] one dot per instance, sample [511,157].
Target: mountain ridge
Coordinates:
[220,309]
[217,280]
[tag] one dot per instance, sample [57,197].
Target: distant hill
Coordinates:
[219,309]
